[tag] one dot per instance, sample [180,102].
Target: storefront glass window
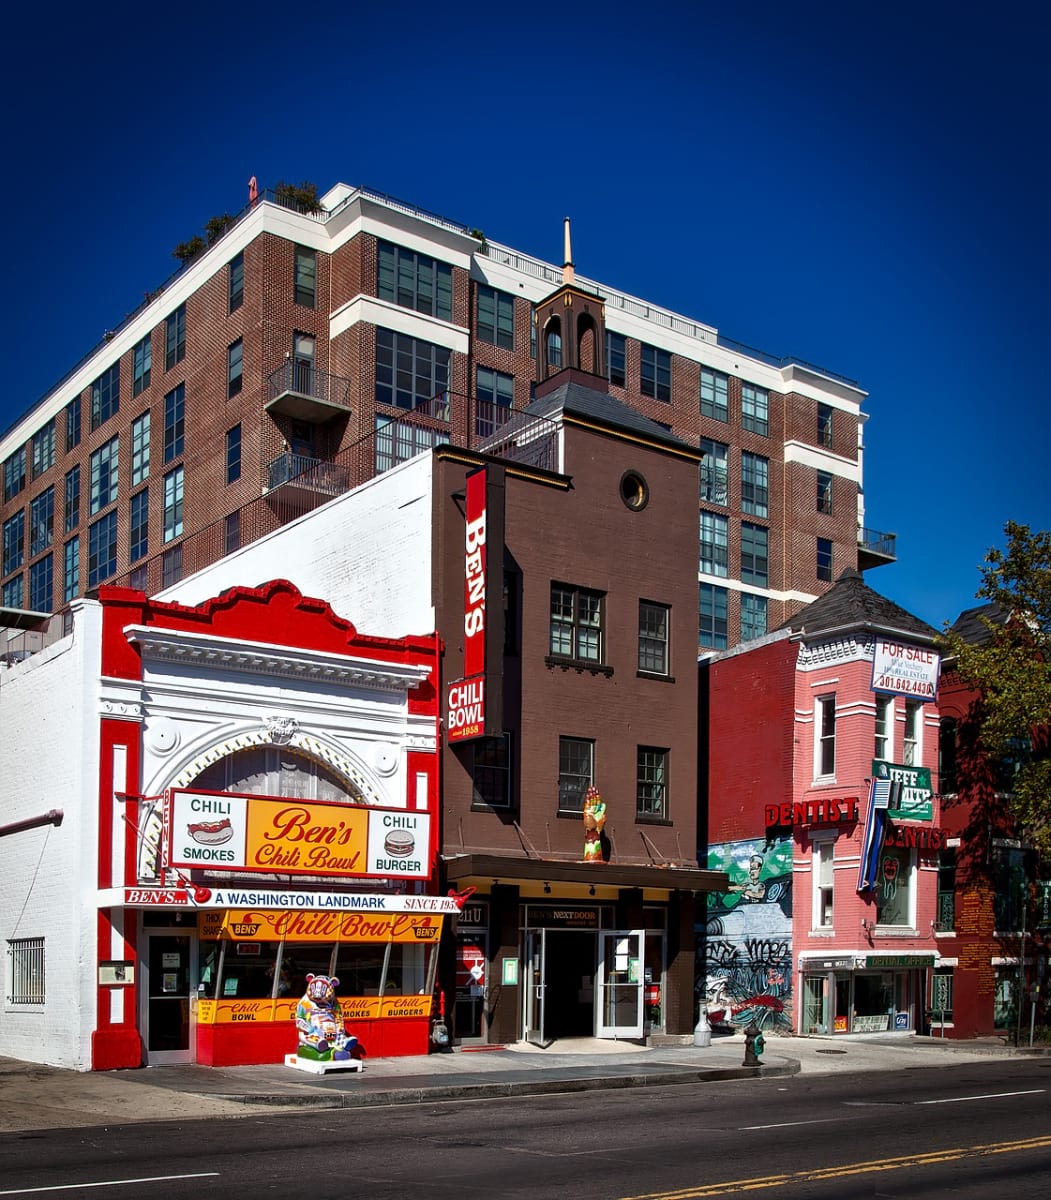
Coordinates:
[873,1002]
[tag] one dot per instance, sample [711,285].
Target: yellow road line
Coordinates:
[816,1175]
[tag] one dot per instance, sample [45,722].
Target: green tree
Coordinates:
[186,251]
[1011,668]
[302,197]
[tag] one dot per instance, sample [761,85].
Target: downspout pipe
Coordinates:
[53,817]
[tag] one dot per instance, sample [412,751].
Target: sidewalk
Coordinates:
[39,1097]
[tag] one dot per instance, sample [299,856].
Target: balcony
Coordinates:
[300,391]
[312,479]
[876,549]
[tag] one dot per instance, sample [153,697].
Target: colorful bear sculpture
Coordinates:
[319,1023]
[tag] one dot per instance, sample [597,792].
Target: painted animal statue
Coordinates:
[319,1023]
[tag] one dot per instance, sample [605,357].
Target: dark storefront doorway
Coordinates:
[167,1024]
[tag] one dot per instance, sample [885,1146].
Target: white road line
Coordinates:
[783,1125]
[987,1096]
[74,1187]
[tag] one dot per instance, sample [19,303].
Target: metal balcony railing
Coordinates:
[883,544]
[313,474]
[298,378]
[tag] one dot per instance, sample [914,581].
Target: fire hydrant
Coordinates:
[754,1043]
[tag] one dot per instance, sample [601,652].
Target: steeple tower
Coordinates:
[571,325]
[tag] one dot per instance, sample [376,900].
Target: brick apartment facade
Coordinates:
[304,352]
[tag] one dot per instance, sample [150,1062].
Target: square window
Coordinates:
[141,368]
[715,472]
[410,373]
[755,484]
[496,318]
[616,358]
[754,553]
[305,276]
[576,772]
[824,492]
[655,373]
[714,626]
[576,623]
[175,338]
[234,368]
[651,783]
[414,281]
[491,772]
[715,391]
[654,623]
[755,409]
[824,559]
[174,422]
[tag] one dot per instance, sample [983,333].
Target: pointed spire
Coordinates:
[567,265]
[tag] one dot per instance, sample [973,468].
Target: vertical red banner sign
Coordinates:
[475,576]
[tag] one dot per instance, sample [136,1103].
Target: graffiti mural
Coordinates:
[745,950]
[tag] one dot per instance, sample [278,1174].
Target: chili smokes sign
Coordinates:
[293,837]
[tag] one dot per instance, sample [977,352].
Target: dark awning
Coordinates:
[512,868]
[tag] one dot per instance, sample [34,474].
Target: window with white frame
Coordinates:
[651,782]
[576,623]
[576,772]
[653,637]
[173,501]
[910,751]
[884,744]
[822,867]
[25,972]
[825,736]
[895,891]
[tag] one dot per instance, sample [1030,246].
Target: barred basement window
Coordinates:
[25,971]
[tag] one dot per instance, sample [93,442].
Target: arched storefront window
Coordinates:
[276,771]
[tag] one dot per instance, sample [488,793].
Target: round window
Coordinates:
[634,491]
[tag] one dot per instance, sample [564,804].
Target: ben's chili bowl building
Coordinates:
[266,810]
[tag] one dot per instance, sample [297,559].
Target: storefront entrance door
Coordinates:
[167,1017]
[535,986]
[619,996]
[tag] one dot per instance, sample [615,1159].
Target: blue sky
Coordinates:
[863,187]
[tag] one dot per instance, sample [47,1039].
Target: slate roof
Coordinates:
[578,400]
[971,627]
[850,602]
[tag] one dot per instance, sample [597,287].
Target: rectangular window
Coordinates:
[175,338]
[233,454]
[491,772]
[44,449]
[140,449]
[496,318]
[913,724]
[42,585]
[713,616]
[532,331]
[71,569]
[824,559]
[72,499]
[894,905]
[73,424]
[415,281]
[171,566]
[139,530]
[755,484]
[884,744]
[104,467]
[824,425]
[14,553]
[823,871]
[11,594]
[14,474]
[139,577]
[947,735]
[825,736]
[236,282]
[495,392]
[234,368]
[142,363]
[576,623]
[655,373]
[755,409]
[715,544]
[25,972]
[41,522]
[232,532]
[715,473]
[824,492]
[102,549]
[616,358]
[653,637]
[715,391]
[946,917]
[173,504]
[755,563]
[306,276]
[576,772]
[174,422]
[105,396]
[651,782]
[398,441]
[409,372]
[753,616]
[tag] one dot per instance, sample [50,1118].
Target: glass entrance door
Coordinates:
[169,966]
[535,987]
[472,985]
[619,1009]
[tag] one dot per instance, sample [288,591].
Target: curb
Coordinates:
[487,1091]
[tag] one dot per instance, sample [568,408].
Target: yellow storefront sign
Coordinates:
[319,838]
[353,1008]
[265,925]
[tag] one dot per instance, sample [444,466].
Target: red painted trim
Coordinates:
[269,1041]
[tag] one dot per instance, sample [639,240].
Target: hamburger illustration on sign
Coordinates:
[398,843]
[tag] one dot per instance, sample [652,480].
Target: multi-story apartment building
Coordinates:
[304,352]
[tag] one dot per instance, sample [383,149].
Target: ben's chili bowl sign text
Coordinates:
[267,925]
[252,833]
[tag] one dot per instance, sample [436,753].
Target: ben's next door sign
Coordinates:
[256,833]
